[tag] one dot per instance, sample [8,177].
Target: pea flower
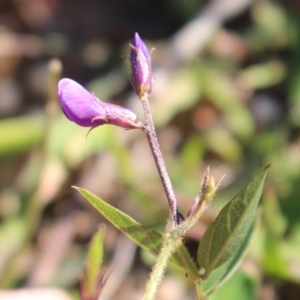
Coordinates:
[141,78]
[85,109]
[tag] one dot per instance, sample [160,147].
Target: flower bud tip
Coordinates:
[141,78]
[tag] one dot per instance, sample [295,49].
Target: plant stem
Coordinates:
[171,241]
[152,139]
[200,293]
[169,246]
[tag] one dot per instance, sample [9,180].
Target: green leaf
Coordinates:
[95,258]
[220,275]
[222,239]
[239,286]
[145,237]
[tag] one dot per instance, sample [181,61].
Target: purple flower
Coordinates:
[85,109]
[141,78]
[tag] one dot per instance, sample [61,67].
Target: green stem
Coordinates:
[200,294]
[169,246]
[173,239]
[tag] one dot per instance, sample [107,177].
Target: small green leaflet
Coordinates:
[223,238]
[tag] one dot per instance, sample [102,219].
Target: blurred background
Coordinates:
[226,94]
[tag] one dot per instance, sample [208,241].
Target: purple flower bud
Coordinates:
[85,109]
[141,78]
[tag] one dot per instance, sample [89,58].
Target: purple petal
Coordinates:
[137,42]
[80,106]
[84,109]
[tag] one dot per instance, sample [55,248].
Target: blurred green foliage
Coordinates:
[234,107]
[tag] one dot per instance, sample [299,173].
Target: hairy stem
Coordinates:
[200,294]
[152,139]
[169,246]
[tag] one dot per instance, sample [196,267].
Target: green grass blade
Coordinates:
[95,259]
